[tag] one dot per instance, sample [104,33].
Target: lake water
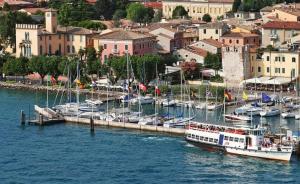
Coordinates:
[69,153]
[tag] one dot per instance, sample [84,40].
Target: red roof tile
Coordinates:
[154,5]
[282,25]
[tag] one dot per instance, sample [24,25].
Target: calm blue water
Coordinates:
[68,153]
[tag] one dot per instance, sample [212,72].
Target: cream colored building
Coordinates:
[213,30]
[287,14]
[277,33]
[53,39]
[197,8]
[276,64]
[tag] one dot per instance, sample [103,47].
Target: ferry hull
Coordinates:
[272,155]
[206,146]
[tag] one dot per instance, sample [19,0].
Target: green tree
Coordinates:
[8,23]
[157,16]
[236,4]
[136,12]
[206,17]
[143,67]
[88,24]
[179,12]
[64,16]
[6,7]
[104,9]
[119,14]
[213,61]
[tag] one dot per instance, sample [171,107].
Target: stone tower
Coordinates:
[236,64]
[51,20]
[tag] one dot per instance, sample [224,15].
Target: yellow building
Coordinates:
[34,39]
[197,8]
[276,64]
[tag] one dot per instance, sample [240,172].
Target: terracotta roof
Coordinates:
[123,35]
[232,34]
[196,50]
[282,25]
[166,36]
[74,30]
[267,9]
[33,10]
[15,2]
[292,11]
[213,25]
[91,1]
[212,42]
[154,5]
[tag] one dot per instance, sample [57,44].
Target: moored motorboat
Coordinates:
[288,114]
[270,112]
[142,100]
[236,117]
[214,106]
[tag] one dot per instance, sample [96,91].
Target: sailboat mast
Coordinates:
[155,95]
[47,92]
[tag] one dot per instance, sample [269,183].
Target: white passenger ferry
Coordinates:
[240,141]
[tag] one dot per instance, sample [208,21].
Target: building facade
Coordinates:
[236,64]
[191,53]
[213,30]
[170,39]
[197,8]
[276,64]
[276,33]
[241,39]
[209,45]
[121,42]
[33,39]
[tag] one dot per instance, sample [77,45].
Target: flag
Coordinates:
[143,87]
[53,81]
[157,90]
[265,98]
[208,93]
[245,96]
[227,95]
[77,81]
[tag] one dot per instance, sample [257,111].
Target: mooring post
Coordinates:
[22,117]
[41,119]
[92,124]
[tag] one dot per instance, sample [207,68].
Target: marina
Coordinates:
[105,147]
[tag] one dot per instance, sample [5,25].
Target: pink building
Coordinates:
[120,42]
[241,39]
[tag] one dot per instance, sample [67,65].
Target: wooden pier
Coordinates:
[48,117]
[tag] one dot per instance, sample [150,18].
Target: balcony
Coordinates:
[273,36]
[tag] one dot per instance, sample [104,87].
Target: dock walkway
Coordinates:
[48,116]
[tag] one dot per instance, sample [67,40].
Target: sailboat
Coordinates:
[180,121]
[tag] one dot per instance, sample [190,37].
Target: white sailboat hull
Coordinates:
[273,155]
[269,113]
[214,107]
[288,115]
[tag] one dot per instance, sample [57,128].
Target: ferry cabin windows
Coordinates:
[201,138]
[230,138]
[206,139]
[236,139]
[211,139]
[226,138]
